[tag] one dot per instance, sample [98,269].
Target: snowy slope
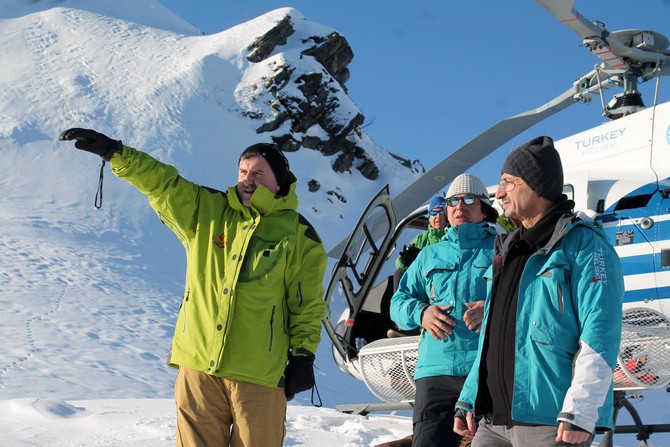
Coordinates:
[91,295]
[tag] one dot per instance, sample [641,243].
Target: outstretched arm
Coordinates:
[91,141]
[173,198]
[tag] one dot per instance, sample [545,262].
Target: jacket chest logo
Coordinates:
[220,241]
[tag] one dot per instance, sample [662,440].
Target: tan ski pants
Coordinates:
[213,411]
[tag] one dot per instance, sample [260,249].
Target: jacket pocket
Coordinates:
[261,258]
[557,342]
[555,286]
[442,285]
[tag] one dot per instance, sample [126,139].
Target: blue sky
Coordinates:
[429,76]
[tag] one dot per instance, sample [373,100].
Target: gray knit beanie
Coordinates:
[469,184]
[539,165]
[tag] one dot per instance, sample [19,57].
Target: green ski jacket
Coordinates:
[254,276]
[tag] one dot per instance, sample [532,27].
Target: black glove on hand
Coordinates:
[92,141]
[409,254]
[299,374]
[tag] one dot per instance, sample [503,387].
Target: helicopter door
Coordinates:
[631,226]
[661,220]
[351,280]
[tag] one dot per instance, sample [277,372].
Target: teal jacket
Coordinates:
[568,330]
[449,273]
[253,275]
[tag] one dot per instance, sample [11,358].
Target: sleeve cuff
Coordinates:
[578,422]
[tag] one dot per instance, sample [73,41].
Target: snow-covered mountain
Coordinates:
[90,296]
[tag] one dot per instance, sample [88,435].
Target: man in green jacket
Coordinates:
[250,319]
[437,226]
[437,223]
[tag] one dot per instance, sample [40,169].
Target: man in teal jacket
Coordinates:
[552,326]
[443,292]
[253,296]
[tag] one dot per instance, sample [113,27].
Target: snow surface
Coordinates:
[89,297]
[151,423]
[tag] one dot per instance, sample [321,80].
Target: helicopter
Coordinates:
[617,173]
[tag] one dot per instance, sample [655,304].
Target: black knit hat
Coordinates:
[275,159]
[539,165]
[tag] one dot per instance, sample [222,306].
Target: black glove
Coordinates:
[92,141]
[409,254]
[299,374]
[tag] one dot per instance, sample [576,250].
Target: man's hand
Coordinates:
[571,434]
[436,321]
[299,374]
[465,424]
[474,315]
[91,141]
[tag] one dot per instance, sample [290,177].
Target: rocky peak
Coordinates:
[318,103]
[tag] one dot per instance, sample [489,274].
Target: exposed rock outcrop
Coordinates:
[319,102]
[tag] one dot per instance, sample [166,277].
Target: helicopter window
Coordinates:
[420,223]
[365,245]
[631,202]
[569,191]
[665,258]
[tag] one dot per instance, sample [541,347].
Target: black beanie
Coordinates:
[275,159]
[537,163]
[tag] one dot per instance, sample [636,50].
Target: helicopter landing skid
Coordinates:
[365,408]
[643,431]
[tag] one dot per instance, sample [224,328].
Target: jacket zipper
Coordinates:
[299,294]
[561,304]
[560,301]
[183,237]
[272,320]
[176,229]
[184,304]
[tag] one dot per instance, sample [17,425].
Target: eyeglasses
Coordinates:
[468,200]
[506,185]
[436,211]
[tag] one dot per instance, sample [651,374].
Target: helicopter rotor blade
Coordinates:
[593,34]
[473,151]
[484,144]
[571,18]
[641,52]
[459,161]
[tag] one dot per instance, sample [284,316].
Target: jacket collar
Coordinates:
[566,222]
[264,201]
[469,235]
[436,232]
